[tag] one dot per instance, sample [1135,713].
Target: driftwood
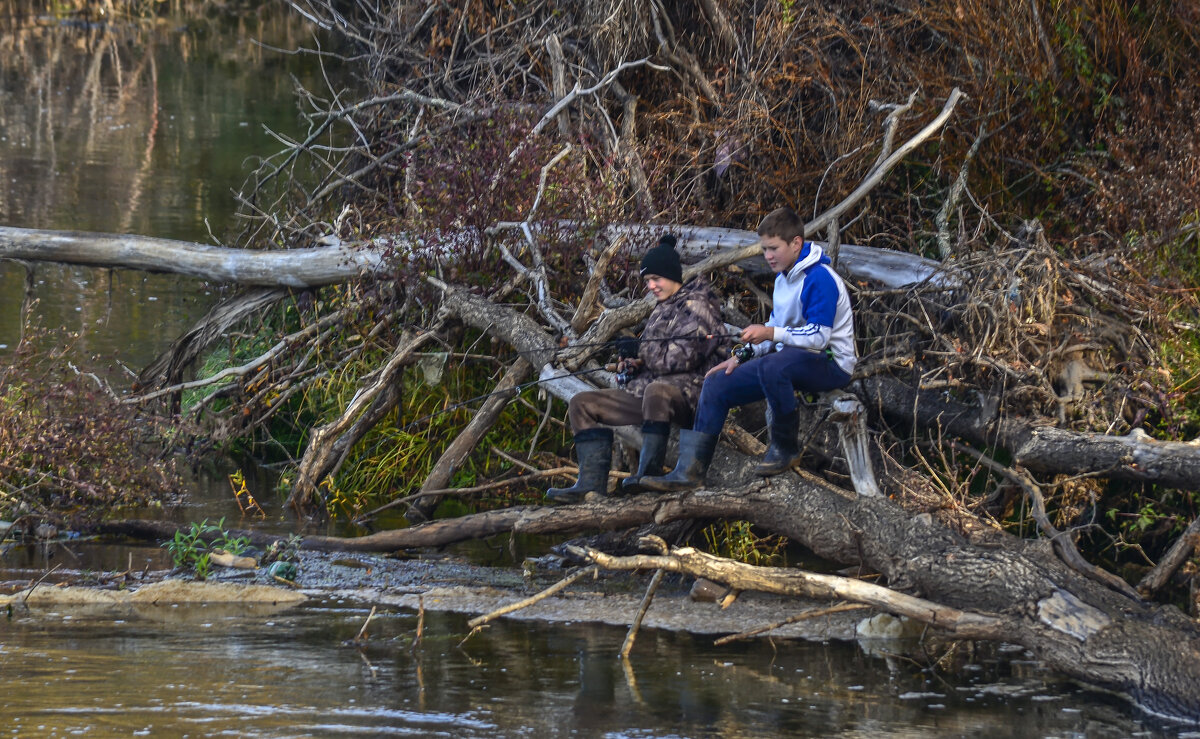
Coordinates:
[296,268]
[518,519]
[480,621]
[796,582]
[647,599]
[465,442]
[333,441]
[1039,448]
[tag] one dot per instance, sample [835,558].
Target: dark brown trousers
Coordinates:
[662,401]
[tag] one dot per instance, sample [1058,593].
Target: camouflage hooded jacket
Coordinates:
[695,310]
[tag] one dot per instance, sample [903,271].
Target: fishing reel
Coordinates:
[627,350]
[627,374]
[742,352]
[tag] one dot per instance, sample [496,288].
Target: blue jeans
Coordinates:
[775,377]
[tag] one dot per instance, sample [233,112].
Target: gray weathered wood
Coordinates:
[342,262]
[298,268]
[1040,448]
[851,419]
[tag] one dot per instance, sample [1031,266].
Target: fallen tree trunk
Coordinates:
[332,442]
[1041,448]
[343,262]
[884,267]
[297,268]
[1024,593]
[463,444]
[519,519]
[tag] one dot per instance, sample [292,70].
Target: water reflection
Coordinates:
[141,126]
[201,672]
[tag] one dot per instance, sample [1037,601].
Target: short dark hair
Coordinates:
[783,223]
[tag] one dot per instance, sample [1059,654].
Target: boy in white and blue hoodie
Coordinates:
[807,345]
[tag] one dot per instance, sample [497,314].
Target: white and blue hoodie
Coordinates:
[812,309]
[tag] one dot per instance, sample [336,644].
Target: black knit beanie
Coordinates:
[663,261]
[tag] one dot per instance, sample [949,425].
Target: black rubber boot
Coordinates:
[593,447]
[784,450]
[650,461]
[695,455]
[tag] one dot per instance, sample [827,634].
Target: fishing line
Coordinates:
[694,337]
[616,343]
[517,389]
[621,340]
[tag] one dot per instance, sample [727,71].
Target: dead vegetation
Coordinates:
[69,449]
[481,125]
[499,149]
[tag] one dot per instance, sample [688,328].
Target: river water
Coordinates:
[135,126]
[146,128]
[193,672]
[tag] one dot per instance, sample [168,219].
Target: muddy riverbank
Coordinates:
[449,583]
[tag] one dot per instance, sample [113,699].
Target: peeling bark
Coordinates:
[1041,448]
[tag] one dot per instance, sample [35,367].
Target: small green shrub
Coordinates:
[192,549]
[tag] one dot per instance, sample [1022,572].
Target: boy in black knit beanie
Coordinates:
[681,341]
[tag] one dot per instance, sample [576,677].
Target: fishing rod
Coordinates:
[514,390]
[623,377]
[686,337]
[627,341]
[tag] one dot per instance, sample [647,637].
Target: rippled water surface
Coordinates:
[139,126]
[200,671]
